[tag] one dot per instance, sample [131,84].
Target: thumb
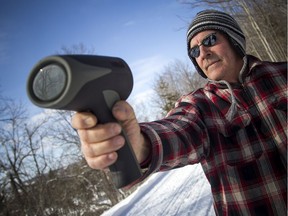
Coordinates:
[125,114]
[122,111]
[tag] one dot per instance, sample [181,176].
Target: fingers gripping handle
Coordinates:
[126,169]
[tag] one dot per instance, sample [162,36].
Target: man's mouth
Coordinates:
[211,63]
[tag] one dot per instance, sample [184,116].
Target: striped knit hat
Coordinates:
[216,20]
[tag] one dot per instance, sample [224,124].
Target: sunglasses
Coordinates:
[208,41]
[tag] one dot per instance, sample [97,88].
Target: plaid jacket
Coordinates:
[245,157]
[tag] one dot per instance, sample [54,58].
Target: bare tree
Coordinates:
[21,158]
[79,48]
[37,181]
[177,79]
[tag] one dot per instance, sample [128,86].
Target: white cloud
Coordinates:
[40,116]
[144,71]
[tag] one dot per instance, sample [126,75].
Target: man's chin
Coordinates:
[214,76]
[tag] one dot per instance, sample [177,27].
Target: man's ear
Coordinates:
[236,47]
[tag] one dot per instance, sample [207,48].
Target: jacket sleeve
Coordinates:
[179,139]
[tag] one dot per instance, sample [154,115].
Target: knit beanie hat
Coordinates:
[216,20]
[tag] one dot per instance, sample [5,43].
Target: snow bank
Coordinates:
[183,191]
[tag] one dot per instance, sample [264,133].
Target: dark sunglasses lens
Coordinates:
[195,52]
[209,41]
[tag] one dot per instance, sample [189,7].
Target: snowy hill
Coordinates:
[183,191]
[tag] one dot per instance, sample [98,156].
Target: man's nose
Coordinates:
[204,52]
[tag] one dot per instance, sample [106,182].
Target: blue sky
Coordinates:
[146,34]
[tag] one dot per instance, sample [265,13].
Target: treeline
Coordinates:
[42,171]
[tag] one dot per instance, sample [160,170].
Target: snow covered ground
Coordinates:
[183,191]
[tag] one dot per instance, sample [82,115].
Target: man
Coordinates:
[235,126]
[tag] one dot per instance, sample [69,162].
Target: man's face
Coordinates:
[220,61]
